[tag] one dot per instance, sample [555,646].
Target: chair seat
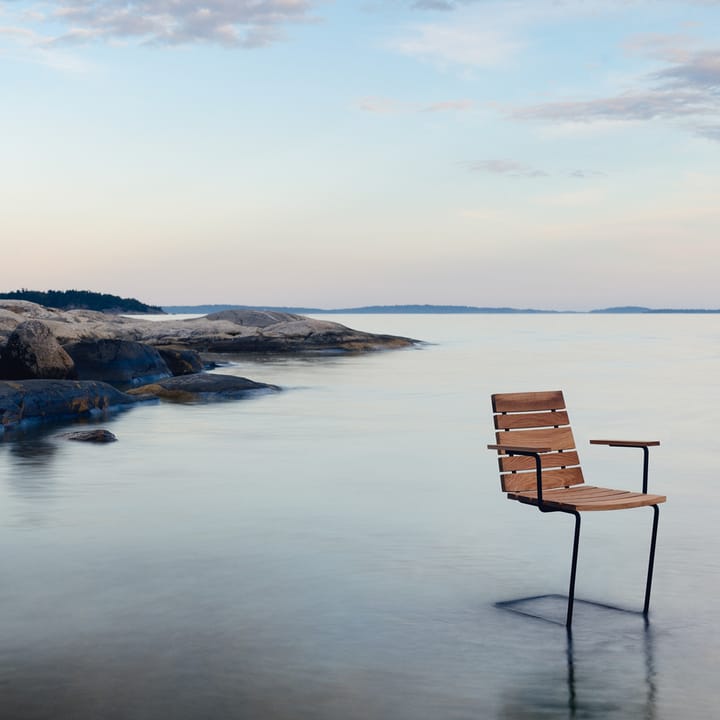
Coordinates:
[587,497]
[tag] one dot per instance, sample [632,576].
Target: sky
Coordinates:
[528,153]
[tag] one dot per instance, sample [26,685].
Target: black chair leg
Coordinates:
[651,562]
[573,571]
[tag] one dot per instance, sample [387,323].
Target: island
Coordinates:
[68,363]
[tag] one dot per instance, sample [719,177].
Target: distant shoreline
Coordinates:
[437,310]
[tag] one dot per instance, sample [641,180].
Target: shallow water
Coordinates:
[337,550]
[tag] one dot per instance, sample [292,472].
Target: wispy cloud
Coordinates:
[628,106]
[384,105]
[699,72]
[229,23]
[687,89]
[514,169]
[562,5]
[434,5]
[450,106]
[709,132]
[456,44]
[583,174]
[509,168]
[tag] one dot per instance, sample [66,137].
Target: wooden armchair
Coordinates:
[539,466]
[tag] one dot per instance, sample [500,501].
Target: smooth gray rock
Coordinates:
[203,386]
[119,362]
[253,318]
[36,400]
[95,436]
[33,352]
[229,331]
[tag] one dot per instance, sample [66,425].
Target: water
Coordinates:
[337,550]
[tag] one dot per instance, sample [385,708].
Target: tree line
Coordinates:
[81,300]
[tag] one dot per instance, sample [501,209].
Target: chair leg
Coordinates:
[651,562]
[573,571]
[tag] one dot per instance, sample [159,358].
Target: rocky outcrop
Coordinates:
[94,436]
[231,331]
[120,362]
[133,352]
[36,400]
[202,387]
[181,361]
[33,352]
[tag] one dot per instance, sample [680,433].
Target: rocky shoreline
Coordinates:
[57,364]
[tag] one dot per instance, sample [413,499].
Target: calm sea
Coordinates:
[336,551]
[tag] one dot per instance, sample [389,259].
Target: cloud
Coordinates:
[668,47]
[709,132]
[563,6]
[700,71]
[511,168]
[457,44]
[449,105]
[229,23]
[383,105]
[583,174]
[508,168]
[628,106]
[689,86]
[434,5]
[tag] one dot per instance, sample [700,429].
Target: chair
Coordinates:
[539,466]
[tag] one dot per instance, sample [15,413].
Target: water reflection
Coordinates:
[34,452]
[609,669]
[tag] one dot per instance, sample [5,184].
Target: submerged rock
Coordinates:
[202,387]
[33,352]
[36,400]
[96,436]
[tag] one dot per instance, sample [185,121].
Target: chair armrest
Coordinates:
[533,452]
[643,444]
[626,443]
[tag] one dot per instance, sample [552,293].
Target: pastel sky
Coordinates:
[543,153]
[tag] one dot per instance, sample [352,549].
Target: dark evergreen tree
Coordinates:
[81,300]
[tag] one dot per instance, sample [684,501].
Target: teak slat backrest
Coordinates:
[536,419]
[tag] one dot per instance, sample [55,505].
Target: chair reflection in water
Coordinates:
[605,674]
[539,466]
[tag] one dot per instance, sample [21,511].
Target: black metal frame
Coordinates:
[576,541]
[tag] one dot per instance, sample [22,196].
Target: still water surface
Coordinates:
[336,551]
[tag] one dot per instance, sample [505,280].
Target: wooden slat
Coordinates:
[531,420]
[512,449]
[586,492]
[528,402]
[553,438]
[516,482]
[590,499]
[638,500]
[549,460]
[578,492]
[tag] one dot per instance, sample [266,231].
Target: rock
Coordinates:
[36,400]
[33,352]
[253,318]
[97,436]
[202,387]
[119,362]
[229,331]
[181,361]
